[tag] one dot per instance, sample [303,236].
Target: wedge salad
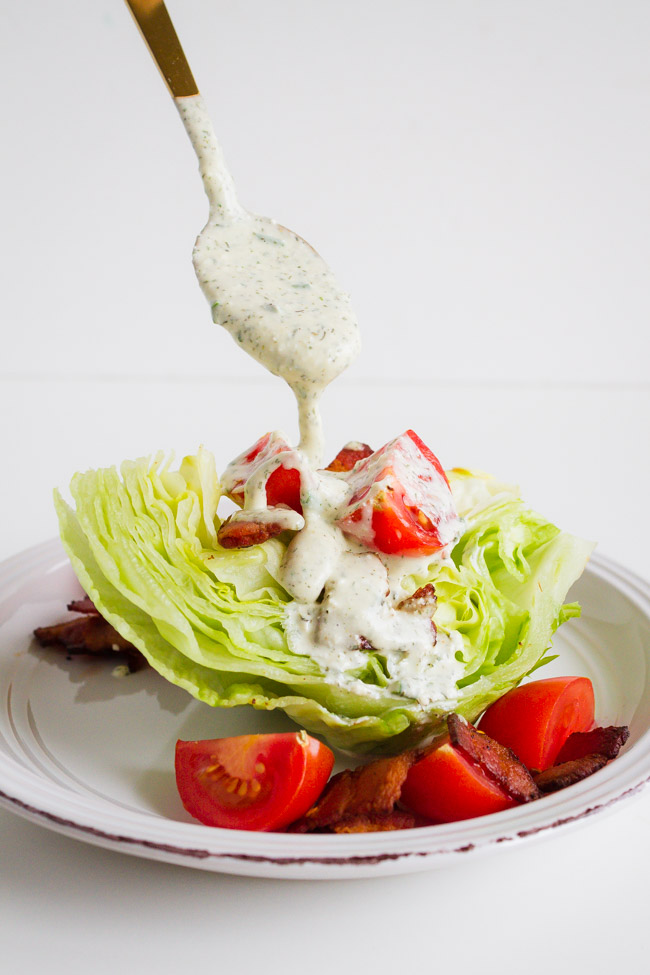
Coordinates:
[373,648]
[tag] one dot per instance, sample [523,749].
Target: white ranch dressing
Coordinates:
[282,304]
[269,288]
[355,606]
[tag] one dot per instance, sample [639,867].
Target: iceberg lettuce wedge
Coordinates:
[143,544]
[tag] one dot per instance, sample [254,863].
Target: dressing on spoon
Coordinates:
[269,288]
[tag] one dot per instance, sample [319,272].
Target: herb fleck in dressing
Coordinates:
[282,304]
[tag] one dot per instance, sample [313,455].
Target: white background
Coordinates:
[477,173]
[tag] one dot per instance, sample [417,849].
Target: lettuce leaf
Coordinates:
[143,544]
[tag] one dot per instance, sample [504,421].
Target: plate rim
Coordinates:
[282,854]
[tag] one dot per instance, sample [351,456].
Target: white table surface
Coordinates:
[478,176]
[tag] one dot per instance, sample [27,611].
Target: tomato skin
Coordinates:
[283,487]
[401,502]
[396,531]
[535,719]
[283,484]
[252,782]
[446,786]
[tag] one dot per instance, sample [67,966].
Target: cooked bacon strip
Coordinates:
[348,457]
[498,761]
[602,741]
[562,776]
[376,823]
[423,600]
[369,791]
[85,605]
[91,635]
[243,534]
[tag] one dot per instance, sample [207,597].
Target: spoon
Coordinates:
[266,285]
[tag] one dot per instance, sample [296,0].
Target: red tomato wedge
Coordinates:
[283,483]
[401,502]
[254,782]
[535,719]
[348,456]
[447,786]
[283,487]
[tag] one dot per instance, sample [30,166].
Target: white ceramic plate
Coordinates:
[91,755]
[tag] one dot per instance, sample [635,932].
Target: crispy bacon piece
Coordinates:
[91,635]
[423,600]
[602,741]
[243,534]
[367,793]
[376,823]
[568,773]
[348,457]
[499,762]
[85,605]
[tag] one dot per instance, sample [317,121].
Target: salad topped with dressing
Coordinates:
[363,624]
[369,598]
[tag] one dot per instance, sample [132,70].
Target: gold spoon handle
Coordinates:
[160,37]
